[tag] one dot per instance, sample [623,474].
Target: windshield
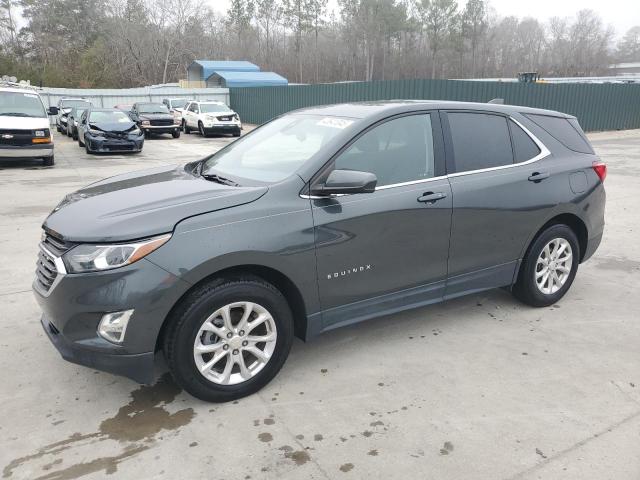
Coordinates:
[276,150]
[73,103]
[178,102]
[152,108]
[21,104]
[213,107]
[109,117]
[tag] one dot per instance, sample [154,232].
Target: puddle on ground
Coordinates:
[140,420]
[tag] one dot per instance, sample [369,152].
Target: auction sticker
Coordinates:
[334,122]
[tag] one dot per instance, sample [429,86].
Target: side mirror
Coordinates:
[52,111]
[346,181]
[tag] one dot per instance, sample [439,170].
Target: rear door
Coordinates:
[382,251]
[498,173]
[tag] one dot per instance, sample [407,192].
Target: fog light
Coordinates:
[114,325]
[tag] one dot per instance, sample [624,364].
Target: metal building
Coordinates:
[244,79]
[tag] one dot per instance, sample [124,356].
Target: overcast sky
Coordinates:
[622,14]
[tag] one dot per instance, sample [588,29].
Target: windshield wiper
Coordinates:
[16,114]
[218,179]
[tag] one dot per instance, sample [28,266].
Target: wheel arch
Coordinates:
[282,282]
[571,220]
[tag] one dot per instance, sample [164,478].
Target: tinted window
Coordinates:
[400,150]
[152,108]
[479,141]
[524,148]
[563,130]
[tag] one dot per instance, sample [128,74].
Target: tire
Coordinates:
[185,128]
[86,149]
[68,130]
[533,268]
[175,134]
[74,135]
[201,129]
[184,329]
[58,129]
[48,161]
[80,142]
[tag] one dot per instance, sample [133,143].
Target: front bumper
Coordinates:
[27,151]
[160,128]
[218,127]
[113,145]
[74,305]
[138,367]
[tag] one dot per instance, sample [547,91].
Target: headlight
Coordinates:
[209,117]
[237,117]
[93,258]
[145,122]
[135,131]
[96,133]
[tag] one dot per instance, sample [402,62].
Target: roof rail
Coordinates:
[498,101]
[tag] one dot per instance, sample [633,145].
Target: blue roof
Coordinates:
[250,79]
[210,66]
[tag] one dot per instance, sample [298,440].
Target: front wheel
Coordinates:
[175,133]
[185,127]
[229,338]
[549,267]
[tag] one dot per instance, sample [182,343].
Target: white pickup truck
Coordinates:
[24,124]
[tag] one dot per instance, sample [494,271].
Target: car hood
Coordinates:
[117,127]
[23,123]
[155,116]
[142,204]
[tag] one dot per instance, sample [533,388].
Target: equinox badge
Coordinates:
[349,271]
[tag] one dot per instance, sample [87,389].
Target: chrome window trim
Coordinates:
[544,152]
[61,272]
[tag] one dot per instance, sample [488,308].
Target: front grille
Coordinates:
[46,271]
[16,138]
[162,123]
[225,119]
[56,245]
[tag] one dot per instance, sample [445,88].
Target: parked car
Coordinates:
[24,124]
[155,118]
[73,117]
[109,130]
[176,106]
[64,107]
[210,117]
[321,218]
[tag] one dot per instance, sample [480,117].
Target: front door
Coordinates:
[384,251]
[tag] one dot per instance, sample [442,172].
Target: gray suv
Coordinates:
[321,218]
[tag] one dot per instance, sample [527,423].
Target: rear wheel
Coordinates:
[549,267]
[229,338]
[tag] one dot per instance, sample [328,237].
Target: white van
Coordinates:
[24,124]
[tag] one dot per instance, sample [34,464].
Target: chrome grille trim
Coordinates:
[50,270]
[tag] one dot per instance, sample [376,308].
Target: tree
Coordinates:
[474,24]
[438,17]
[628,48]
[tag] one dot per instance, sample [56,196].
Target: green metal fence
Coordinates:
[597,106]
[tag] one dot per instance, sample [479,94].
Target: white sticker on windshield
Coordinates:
[30,95]
[334,122]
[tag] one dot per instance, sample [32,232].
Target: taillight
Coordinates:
[601,170]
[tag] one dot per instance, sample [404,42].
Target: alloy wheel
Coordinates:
[235,343]
[553,266]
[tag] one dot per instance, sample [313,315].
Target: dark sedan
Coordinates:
[109,130]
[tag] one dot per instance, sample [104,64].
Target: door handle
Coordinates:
[538,176]
[431,197]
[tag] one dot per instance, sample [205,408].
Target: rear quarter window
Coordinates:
[566,130]
[524,148]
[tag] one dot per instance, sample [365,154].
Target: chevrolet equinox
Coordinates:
[318,219]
